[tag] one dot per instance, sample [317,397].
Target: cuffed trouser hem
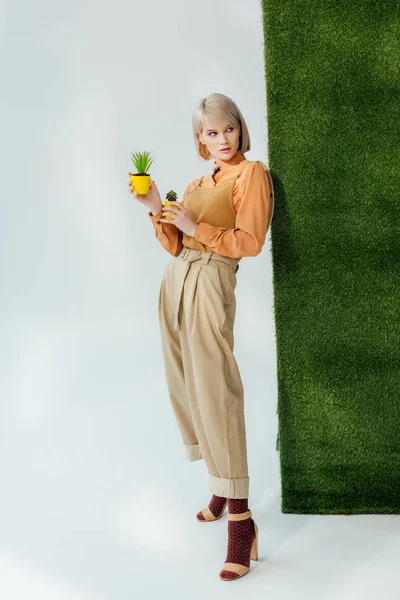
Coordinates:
[229,488]
[193,452]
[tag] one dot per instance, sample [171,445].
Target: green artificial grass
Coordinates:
[332,72]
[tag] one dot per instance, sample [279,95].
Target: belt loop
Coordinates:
[184,252]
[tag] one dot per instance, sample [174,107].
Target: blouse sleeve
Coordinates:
[168,234]
[253,217]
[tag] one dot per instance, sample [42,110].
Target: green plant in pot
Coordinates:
[141,179]
[170,196]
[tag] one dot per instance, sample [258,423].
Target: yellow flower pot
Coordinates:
[141,183]
[166,203]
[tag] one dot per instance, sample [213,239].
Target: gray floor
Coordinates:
[92,520]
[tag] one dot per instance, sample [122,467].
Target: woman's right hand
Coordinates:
[152,199]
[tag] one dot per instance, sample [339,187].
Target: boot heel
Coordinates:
[254,548]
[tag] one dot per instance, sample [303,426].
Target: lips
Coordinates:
[224,149]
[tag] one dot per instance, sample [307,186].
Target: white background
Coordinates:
[97,498]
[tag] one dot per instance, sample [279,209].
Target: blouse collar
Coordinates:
[225,165]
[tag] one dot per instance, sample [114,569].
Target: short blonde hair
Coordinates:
[219,104]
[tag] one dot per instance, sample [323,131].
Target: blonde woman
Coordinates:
[223,217]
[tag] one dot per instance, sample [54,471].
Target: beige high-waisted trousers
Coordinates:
[196,310]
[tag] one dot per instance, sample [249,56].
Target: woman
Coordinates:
[222,218]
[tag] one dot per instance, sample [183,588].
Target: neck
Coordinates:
[236,158]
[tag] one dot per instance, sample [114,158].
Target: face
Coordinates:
[218,134]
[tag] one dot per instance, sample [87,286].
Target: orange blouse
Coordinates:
[253,199]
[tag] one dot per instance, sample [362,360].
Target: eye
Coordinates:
[215,131]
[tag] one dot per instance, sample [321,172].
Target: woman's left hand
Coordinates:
[181,217]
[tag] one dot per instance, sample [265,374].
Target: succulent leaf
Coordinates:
[142,162]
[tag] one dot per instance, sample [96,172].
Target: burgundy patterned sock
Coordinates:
[241,535]
[216,504]
[238,505]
